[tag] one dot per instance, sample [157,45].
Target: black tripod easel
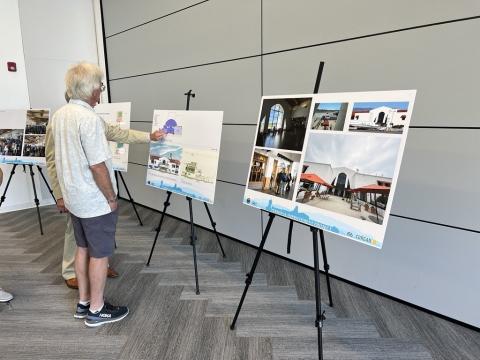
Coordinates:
[35,199]
[320,315]
[130,199]
[193,237]
[326,267]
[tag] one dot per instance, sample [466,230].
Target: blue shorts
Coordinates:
[97,234]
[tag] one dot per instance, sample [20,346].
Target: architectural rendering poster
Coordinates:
[186,161]
[331,161]
[117,114]
[22,136]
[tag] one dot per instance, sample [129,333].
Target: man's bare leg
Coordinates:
[98,277]
[81,271]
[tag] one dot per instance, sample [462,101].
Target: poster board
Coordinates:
[186,161]
[331,161]
[117,114]
[22,136]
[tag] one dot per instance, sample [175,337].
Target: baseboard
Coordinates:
[441,316]
[24,206]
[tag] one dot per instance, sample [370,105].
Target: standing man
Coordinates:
[283,182]
[272,179]
[278,180]
[289,179]
[84,169]
[113,133]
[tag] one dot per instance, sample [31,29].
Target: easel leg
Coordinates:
[193,239]
[37,203]
[118,184]
[166,204]
[129,197]
[46,183]
[249,278]
[320,316]
[2,199]
[289,241]
[214,224]
[326,267]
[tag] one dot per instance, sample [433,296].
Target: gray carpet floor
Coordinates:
[169,321]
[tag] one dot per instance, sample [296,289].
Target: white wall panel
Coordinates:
[430,60]
[233,87]
[420,261]
[437,181]
[58,29]
[216,30]
[123,14]
[138,153]
[305,22]
[13,89]
[46,82]
[14,95]
[235,153]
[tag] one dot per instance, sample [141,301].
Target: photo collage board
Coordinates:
[117,114]
[185,162]
[22,136]
[331,160]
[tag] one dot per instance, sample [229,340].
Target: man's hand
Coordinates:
[101,176]
[61,206]
[113,203]
[157,135]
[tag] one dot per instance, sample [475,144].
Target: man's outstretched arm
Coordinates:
[128,136]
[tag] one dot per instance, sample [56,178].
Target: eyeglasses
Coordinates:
[102,87]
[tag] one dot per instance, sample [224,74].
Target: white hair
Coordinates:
[82,79]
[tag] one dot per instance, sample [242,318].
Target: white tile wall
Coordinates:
[315,21]
[213,31]
[124,14]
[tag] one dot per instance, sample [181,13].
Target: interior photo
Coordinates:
[283,123]
[274,172]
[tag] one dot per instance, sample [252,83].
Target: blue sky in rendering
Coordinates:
[373,155]
[162,149]
[399,105]
[328,106]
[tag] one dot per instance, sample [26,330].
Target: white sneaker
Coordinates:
[5,296]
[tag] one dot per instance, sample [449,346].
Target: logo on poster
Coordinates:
[171,127]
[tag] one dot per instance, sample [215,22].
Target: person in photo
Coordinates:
[289,179]
[11,142]
[278,181]
[272,172]
[283,182]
